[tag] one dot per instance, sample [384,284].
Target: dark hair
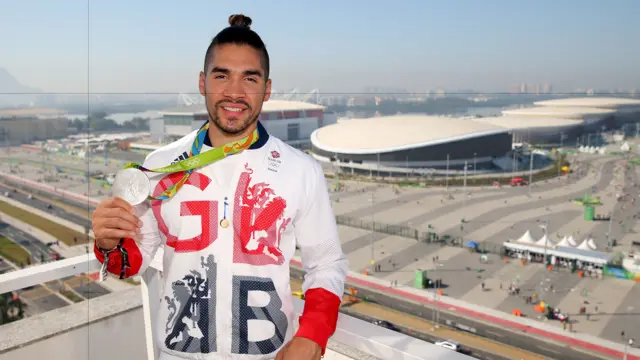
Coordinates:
[239,33]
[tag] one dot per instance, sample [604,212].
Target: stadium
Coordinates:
[411,141]
[594,119]
[291,121]
[539,131]
[396,144]
[626,111]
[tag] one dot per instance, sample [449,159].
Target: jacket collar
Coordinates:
[263,137]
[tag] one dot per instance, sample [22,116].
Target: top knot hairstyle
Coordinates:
[239,33]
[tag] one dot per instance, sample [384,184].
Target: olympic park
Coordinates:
[439,144]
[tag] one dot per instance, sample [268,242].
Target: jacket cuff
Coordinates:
[319,317]
[133,258]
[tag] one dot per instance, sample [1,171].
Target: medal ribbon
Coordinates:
[197,159]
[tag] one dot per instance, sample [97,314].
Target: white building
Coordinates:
[626,110]
[290,121]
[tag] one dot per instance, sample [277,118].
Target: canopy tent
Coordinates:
[526,238]
[545,241]
[592,244]
[572,242]
[564,242]
[589,256]
[625,147]
[584,245]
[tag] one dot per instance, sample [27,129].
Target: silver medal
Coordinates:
[132,185]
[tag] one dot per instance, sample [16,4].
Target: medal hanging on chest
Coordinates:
[133,185]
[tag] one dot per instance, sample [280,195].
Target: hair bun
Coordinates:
[240,20]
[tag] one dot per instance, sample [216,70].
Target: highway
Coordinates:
[38,250]
[42,205]
[499,334]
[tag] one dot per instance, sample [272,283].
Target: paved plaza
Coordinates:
[494,215]
[491,216]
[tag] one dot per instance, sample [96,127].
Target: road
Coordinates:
[501,335]
[38,250]
[40,204]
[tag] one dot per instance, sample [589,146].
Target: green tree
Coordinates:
[11,308]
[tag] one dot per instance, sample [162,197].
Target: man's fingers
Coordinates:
[117,213]
[116,233]
[121,203]
[118,223]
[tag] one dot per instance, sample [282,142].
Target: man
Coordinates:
[231,230]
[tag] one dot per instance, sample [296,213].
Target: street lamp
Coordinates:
[436,287]
[626,345]
[546,240]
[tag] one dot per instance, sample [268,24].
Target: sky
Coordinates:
[336,46]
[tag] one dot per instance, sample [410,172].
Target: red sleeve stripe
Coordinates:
[115,258]
[320,316]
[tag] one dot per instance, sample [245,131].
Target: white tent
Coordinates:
[584,245]
[625,147]
[544,240]
[526,238]
[571,241]
[592,244]
[564,242]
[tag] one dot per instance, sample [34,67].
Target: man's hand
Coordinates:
[113,219]
[300,348]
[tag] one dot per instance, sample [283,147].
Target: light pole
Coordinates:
[474,162]
[626,345]
[465,177]
[436,287]
[373,226]
[446,186]
[530,171]
[546,240]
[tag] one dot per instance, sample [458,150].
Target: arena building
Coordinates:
[19,126]
[594,119]
[410,141]
[626,110]
[291,121]
[538,131]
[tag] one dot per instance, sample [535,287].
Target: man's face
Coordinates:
[234,87]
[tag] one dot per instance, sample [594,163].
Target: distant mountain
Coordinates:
[9,84]
[10,87]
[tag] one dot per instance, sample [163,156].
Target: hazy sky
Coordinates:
[333,45]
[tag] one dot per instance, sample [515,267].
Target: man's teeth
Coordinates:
[232,109]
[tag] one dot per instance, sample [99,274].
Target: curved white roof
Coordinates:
[395,133]
[528,122]
[602,102]
[268,106]
[558,112]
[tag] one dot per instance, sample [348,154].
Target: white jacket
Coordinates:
[227,290]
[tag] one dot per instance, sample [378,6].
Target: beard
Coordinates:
[240,125]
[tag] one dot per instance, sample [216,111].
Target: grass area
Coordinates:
[13,252]
[71,296]
[56,230]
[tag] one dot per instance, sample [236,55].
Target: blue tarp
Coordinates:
[472,244]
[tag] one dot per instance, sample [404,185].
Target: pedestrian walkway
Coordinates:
[420,325]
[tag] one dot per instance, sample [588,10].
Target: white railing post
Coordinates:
[150,287]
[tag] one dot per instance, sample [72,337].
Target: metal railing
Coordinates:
[351,332]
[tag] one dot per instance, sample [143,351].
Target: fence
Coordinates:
[413,233]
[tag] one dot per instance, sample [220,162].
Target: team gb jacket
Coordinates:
[226,292]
